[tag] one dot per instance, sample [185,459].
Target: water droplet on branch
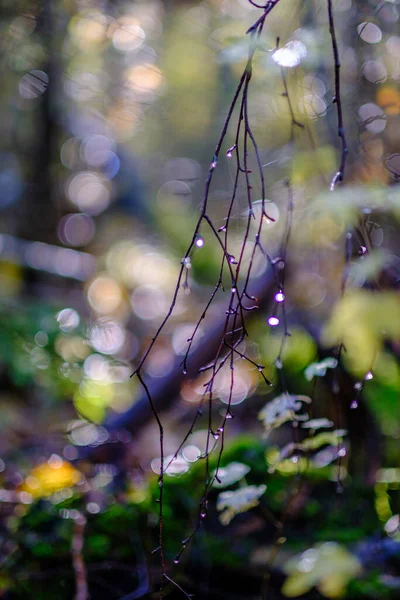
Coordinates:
[273,321]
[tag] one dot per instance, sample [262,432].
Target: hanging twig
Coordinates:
[238,298]
[337,99]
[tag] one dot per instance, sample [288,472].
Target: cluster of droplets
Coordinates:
[359,386]
[273,320]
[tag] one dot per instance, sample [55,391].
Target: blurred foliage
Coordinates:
[328,566]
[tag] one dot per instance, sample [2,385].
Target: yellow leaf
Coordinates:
[49,477]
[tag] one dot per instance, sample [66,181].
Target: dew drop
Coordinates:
[199,241]
[273,321]
[233,290]
[278,363]
[342,452]
[358,385]
[363,249]
[369,376]
[223,228]
[279,262]
[230,150]
[295,459]
[280,297]
[184,371]
[203,514]
[229,415]
[354,404]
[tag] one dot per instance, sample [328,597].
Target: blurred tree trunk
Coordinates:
[39,214]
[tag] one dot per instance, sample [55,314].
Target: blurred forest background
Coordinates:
[110,111]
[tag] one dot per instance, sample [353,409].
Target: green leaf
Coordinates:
[319,369]
[328,566]
[230,474]
[322,439]
[282,409]
[232,503]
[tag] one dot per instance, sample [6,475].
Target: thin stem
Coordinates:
[339,175]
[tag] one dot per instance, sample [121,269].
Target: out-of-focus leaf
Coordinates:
[368,267]
[299,349]
[325,457]
[319,369]
[306,163]
[232,503]
[280,461]
[328,566]
[230,474]
[92,399]
[322,439]
[362,320]
[317,424]
[49,477]
[282,409]
[347,201]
